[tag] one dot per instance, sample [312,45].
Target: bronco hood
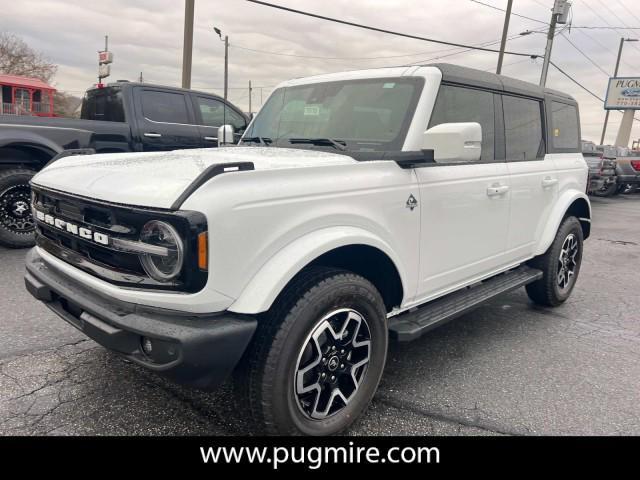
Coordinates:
[157,179]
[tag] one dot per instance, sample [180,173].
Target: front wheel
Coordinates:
[560,265]
[607,191]
[17,227]
[317,357]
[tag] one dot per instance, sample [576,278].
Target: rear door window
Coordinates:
[564,126]
[167,107]
[524,136]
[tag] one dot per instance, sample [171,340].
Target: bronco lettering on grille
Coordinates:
[72,228]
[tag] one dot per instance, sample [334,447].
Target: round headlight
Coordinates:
[166,266]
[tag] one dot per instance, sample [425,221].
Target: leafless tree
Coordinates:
[18,58]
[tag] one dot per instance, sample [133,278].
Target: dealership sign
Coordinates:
[623,93]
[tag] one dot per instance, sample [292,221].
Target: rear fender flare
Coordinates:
[564,203]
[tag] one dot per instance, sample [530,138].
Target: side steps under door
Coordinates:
[414,323]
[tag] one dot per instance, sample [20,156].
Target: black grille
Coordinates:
[115,221]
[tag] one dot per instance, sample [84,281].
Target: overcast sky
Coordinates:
[146,35]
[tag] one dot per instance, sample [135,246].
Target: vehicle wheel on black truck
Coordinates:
[560,265]
[607,191]
[16,222]
[316,359]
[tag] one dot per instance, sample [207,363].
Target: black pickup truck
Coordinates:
[121,117]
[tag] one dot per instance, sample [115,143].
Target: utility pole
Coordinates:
[559,15]
[249,97]
[615,74]
[226,66]
[187,48]
[503,42]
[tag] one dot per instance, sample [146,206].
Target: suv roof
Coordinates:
[458,74]
[450,73]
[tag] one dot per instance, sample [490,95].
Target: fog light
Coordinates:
[147,346]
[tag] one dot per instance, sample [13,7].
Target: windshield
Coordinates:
[103,104]
[361,115]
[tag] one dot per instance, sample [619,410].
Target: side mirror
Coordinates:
[454,142]
[225,135]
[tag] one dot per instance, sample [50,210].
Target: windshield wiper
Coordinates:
[263,141]
[339,144]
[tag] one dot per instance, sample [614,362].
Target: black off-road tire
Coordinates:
[608,191]
[547,290]
[265,380]
[16,229]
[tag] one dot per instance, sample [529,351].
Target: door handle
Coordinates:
[497,190]
[210,139]
[152,135]
[549,182]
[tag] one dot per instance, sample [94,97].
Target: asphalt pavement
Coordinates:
[507,368]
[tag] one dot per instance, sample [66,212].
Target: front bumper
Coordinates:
[195,350]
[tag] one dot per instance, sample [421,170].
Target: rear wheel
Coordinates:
[317,356]
[560,266]
[17,227]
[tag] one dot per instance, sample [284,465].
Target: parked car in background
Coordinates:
[602,169]
[359,206]
[121,117]
[628,171]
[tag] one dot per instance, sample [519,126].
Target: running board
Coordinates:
[414,323]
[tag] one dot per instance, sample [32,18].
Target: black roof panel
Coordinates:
[465,75]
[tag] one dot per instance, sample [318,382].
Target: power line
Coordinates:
[581,85]
[589,27]
[425,60]
[282,54]
[512,13]
[617,30]
[584,55]
[382,30]
[628,10]
[492,69]
[607,49]
[576,82]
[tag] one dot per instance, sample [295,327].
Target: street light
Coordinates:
[226,59]
[615,74]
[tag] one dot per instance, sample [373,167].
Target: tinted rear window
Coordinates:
[103,104]
[523,128]
[168,107]
[564,125]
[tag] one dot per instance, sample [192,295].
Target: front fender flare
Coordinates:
[555,218]
[277,272]
[11,138]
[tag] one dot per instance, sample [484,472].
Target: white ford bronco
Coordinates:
[358,207]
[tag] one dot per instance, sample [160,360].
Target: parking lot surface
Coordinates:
[507,368]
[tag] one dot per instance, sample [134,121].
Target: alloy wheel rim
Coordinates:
[567,262]
[332,364]
[15,209]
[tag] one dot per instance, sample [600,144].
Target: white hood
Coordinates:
[156,179]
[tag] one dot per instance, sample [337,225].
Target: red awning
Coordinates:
[18,81]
